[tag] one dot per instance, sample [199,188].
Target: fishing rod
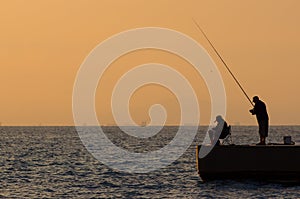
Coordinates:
[238,83]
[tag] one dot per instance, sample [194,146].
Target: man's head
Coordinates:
[219,119]
[255,99]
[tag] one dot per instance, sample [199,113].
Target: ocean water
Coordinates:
[52,162]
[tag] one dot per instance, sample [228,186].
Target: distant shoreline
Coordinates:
[279,125]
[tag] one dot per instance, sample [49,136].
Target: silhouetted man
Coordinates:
[221,128]
[262,117]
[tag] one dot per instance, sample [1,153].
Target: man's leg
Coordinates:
[263,140]
[262,132]
[211,136]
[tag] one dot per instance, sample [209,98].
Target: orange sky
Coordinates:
[43,43]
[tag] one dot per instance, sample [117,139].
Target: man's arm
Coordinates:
[256,108]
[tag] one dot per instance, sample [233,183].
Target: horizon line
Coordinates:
[169,125]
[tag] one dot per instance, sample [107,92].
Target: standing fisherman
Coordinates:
[262,117]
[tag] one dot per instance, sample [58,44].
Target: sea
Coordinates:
[52,162]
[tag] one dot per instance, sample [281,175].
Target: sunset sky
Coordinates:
[43,44]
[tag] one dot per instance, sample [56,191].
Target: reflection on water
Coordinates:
[52,162]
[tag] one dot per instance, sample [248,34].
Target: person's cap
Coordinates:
[255,98]
[219,118]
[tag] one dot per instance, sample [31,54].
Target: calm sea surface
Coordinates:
[52,162]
